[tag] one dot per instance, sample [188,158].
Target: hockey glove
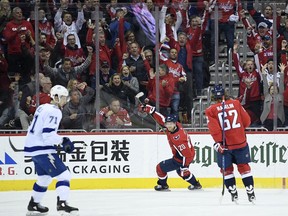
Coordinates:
[67,145]
[146,108]
[184,171]
[220,148]
[149,109]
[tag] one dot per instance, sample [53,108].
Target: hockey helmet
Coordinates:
[57,92]
[171,118]
[218,91]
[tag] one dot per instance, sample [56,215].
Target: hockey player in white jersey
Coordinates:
[40,145]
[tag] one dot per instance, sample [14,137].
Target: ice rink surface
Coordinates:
[178,202]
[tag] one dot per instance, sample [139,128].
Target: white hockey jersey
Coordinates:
[74,28]
[42,133]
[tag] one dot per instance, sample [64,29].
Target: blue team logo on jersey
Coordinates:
[7,160]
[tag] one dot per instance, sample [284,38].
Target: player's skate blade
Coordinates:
[162,188]
[36,213]
[251,198]
[36,209]
[197,186]
[65,210]
[72,213]
[234,197]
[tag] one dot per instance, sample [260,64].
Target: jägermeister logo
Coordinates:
[204,155]
[267,154]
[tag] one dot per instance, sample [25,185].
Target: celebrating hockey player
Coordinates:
[228,119]
[182,150]
[40,145]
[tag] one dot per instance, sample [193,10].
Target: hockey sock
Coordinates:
[38,192]
[191,179]
[162,181]
[230,183]
[248,183]
[63,189]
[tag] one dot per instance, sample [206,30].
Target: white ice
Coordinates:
[178,202]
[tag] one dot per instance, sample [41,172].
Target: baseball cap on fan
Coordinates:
[262,25]
[105,64]
[119,9]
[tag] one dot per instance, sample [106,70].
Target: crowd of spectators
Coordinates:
[127,58]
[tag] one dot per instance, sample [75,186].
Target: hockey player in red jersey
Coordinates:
[182,150]
[235,148]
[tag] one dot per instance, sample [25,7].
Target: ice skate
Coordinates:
[234,194]
[197,186]
[250,193]
[64,209]
[251,197]
[36,209]
[234,197]
[162,188]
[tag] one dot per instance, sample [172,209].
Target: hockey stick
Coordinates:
[223,140]
[13,147]
[138,96]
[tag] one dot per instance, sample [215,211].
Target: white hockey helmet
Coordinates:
[57,92]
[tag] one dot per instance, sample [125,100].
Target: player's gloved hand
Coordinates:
[67,145]
[220,148]
[147,108]
[184,171]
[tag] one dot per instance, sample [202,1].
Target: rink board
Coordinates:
[116,161]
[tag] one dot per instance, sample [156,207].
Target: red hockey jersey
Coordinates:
[179,141]
[236,119]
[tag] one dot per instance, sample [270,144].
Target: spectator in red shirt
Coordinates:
[17,34]
[166,89]
[265,52]
[249,87]
[45,27]
[105,53]
[285,94]
[72,51]
[228,16]
[114,116]
[176,70]
[198,59]
[43,42]
[185,58]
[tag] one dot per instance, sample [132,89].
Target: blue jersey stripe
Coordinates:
[48,130]
[38,148]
